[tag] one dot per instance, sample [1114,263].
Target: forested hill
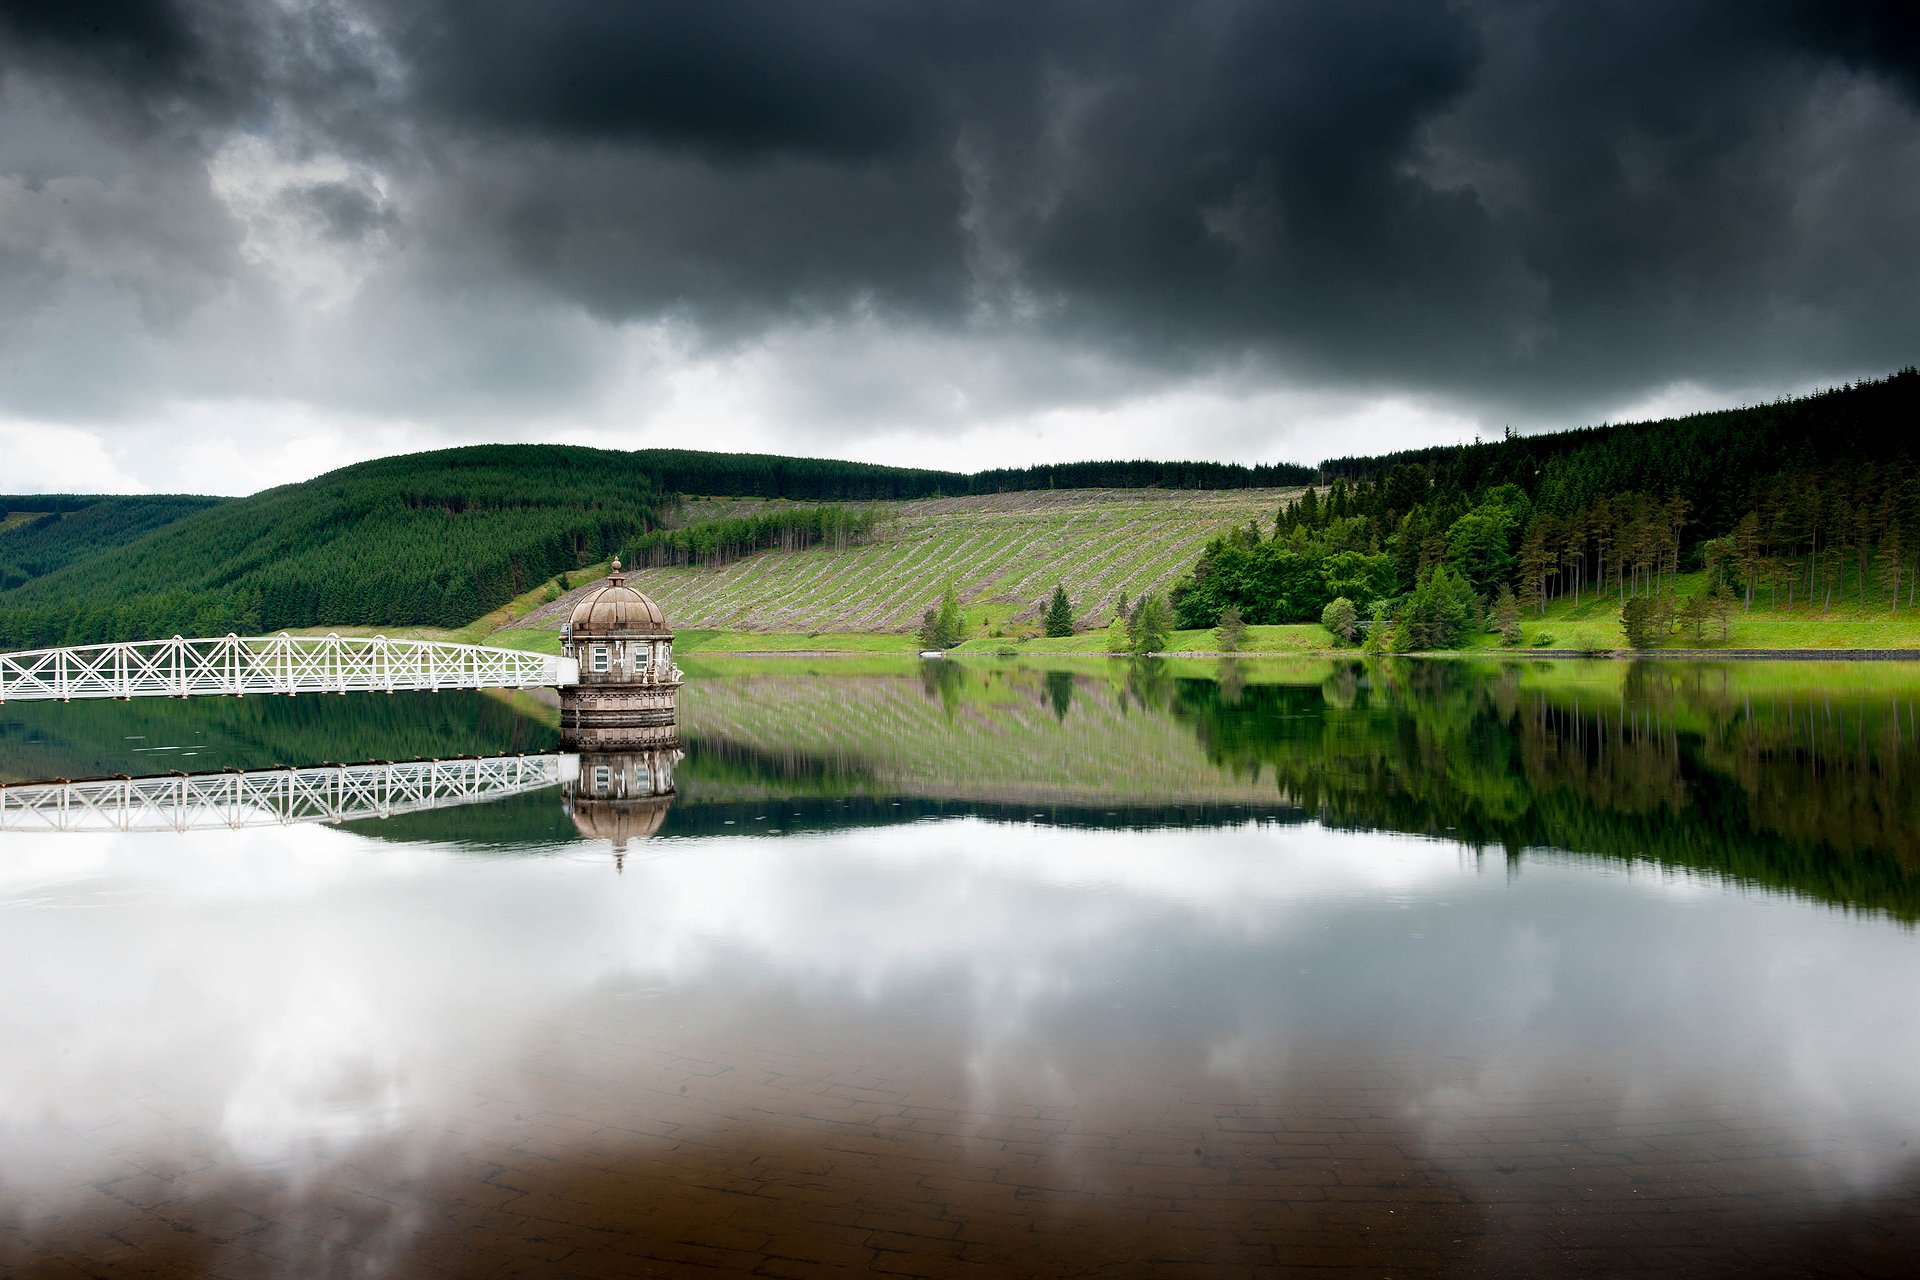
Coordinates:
[427,539]
[439,539]
[40,533]
[764,475]
[1808,502]
[1712,461]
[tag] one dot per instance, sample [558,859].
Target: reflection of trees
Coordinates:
[945,681]
[1150,682]
[1231,676]
[1060,692]
[1798,791]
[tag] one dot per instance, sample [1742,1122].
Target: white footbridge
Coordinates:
[180,668]
[275,797]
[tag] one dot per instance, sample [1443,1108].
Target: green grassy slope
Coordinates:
[1595,624]
[1003,552]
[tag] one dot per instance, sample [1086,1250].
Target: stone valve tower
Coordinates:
[625,697]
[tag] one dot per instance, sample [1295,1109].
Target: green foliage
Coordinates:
[1342,619]
[1150,625]
[1751,495]
[1289,578]
[1230,633]
[42,533]
[1439,613]
[823,479]
[717,542]
[943,627]
[431,539]
[1059,619]
[1505,616]
[1643,621]
[1380,637]
[1477,546]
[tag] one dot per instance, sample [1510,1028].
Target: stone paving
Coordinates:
[602,1153]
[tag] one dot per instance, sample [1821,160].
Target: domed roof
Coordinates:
[619,821]
[617,609]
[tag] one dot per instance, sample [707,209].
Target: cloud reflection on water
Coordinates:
[302,991]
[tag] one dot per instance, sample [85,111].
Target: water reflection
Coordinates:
[1401,969]
[620,797]
[273,797]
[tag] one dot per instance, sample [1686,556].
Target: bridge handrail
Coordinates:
[274,797]
[283,663]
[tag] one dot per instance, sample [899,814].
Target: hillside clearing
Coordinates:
[1003,553]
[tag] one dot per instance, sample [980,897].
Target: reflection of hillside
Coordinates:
[1795,791]
[1004,735]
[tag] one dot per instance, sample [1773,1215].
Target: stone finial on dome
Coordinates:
[614,575]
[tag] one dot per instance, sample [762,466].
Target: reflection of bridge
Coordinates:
[274,797]
[179,668]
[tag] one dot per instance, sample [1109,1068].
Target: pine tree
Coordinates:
[1891,566]
[1155,625]
[1231,631]
[1059,621]
[950,626]
[1506,616]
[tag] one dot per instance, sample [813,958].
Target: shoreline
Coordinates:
[1614,655]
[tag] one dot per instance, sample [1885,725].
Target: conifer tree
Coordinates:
[950,626]
[1506,616]
[1231,631]
[1059,620]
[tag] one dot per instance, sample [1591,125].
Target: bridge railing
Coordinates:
[274,797]
[271,664]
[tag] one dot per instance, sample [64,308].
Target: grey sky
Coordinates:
[243,243]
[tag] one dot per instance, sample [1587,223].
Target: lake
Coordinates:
[943,969]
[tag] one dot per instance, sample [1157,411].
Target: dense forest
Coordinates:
[717,542]
[434,538]
[758,475]
[1814,501]
[45,532]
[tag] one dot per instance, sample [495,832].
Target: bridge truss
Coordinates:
[273,797]
[179,668]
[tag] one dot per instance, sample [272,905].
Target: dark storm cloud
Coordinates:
[1545,205]
[154,65]
[1537,207]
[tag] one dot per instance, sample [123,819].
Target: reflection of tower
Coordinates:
[628,683]
[620,796]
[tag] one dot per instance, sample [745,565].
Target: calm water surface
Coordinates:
[1429,968]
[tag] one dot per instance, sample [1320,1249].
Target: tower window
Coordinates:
[599,657]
